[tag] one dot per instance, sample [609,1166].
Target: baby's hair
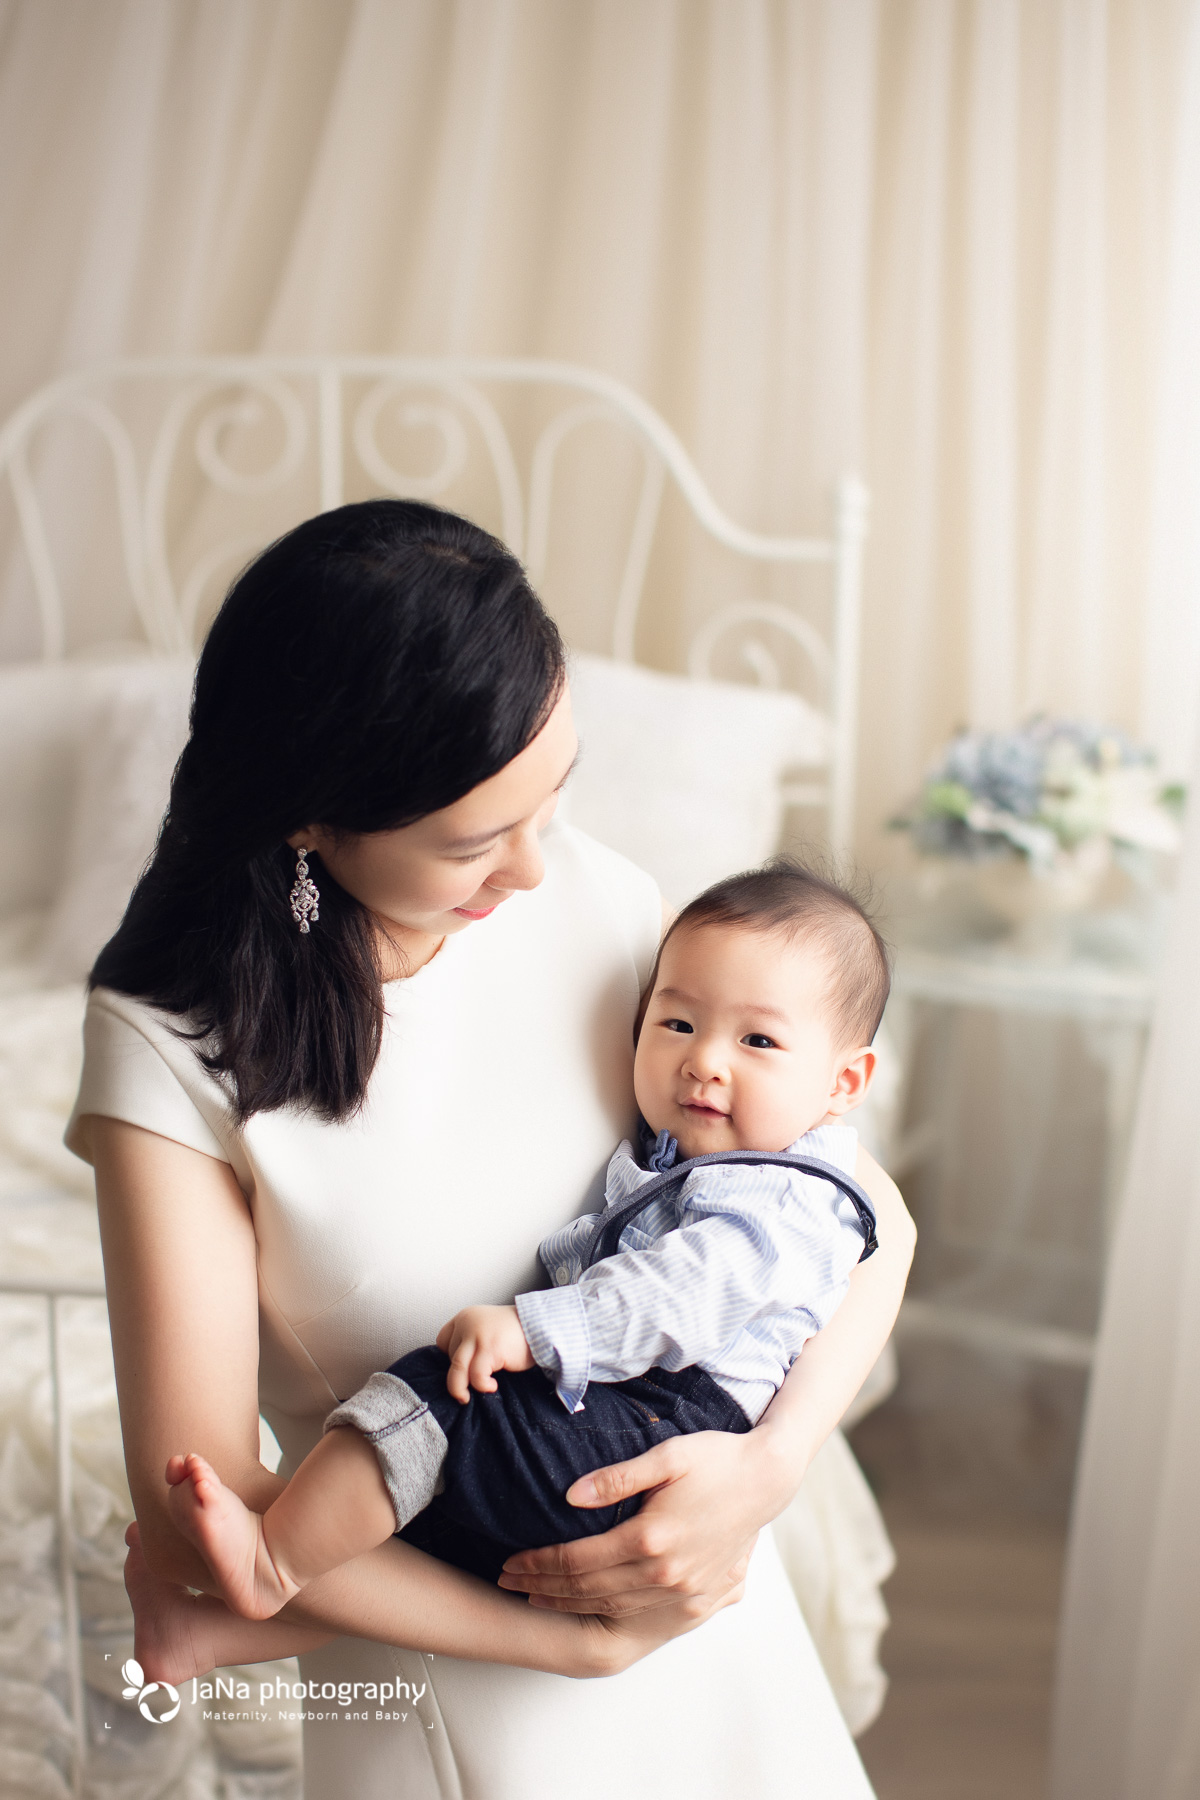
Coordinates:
[798,902]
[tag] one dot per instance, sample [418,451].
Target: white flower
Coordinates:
[1134,813]
[1038,842]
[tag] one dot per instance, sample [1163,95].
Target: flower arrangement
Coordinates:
[1049,791]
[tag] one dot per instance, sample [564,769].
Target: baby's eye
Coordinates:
[677,1025]
[757,1041]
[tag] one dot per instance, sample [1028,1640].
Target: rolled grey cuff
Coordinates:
[405,1436]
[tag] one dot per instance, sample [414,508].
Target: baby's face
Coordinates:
[735,1051]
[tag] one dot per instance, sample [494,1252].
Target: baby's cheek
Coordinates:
[782,1107]
[647,1080]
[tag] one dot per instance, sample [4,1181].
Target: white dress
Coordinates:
[503,1085]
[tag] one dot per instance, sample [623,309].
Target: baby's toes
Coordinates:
[206,1484]
[183,1504]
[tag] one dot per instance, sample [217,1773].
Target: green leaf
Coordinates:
[947,800]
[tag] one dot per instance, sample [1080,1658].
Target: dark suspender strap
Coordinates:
[607,1234]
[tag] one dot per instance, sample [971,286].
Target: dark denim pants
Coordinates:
[513,1454]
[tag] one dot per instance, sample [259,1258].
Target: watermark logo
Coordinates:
[139,1689]
[352,1702]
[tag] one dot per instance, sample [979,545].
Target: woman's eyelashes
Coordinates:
[544,816]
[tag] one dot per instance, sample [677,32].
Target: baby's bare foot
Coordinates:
[229,1537]
[171,1635]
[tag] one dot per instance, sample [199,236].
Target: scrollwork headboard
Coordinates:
[191,464]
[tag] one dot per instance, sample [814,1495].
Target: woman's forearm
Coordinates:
[397,1595]
[833,1366]
[394,1595]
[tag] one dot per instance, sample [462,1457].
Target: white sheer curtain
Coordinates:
[1128,1705]
[952,242]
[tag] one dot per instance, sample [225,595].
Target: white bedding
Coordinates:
[48,1229]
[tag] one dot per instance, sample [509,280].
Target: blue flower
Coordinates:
[1050,782]
[1003,768]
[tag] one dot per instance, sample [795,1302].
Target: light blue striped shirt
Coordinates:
[733,1271]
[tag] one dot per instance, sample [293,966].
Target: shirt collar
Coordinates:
[655,1153]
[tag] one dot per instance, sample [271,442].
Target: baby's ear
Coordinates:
[852,1078]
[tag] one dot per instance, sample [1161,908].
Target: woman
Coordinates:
[322,1122]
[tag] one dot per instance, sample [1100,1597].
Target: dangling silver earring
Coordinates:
[304,894]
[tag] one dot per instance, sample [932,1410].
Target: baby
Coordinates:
[722,1247]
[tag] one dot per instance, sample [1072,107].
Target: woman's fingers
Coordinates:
[634,1565]
[605,1487]
[606,1606]
[628,1594]
[687,1545]
[737,1582]
[640,1541]
[538,1570]
[736,1593]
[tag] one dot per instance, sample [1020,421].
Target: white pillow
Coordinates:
[44,713]
[134,735]
[683,776]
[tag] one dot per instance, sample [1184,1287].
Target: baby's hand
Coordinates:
[479,1340]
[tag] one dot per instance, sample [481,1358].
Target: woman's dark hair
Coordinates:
[369,668]
[796,901]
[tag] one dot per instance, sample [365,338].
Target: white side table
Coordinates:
[1113,1005]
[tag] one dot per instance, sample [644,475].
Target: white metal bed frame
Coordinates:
[53,1294]
[309,396]
[308,391]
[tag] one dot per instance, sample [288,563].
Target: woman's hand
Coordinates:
[708,1496]
[615,1644]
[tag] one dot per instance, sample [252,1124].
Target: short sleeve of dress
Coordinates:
[136,1068]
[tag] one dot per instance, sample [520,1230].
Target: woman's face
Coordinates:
[455,866]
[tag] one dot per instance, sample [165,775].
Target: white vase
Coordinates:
[1038,902]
